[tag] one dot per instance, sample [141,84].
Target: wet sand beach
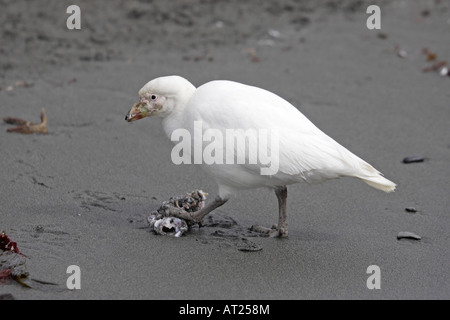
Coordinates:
[81,194]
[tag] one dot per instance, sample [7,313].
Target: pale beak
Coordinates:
[138,111]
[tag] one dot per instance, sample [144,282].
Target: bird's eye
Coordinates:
[153,97]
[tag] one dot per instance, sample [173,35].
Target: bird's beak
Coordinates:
[138,111]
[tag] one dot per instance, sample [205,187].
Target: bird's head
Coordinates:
[161,97]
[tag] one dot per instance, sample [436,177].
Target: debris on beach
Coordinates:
[266,43]
[167,225]
[5,276]
[408,235]
[13,266]
[401,53]
[226,231]
[382,35]
[18,84]
[12,261]
[204,56]
[413,159]
[251,52]
[6,244]
[166,221]
[411,209]
[28,127]
[73,80]
[445,72]
[431,56]
[436,66]
[439,66]
[23,84]
[274,33]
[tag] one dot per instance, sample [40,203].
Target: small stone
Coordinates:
[408,235]
[24,84]
[219,24]
[425,13]
[274,33]
[250,248]
[402,53]
[266,43]
[411,209]
[413,159]
[444,72]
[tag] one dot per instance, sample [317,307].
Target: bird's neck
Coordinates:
[175,120]
[172,122]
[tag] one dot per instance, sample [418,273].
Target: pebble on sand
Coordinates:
[413,159]
[408,235]
[411,209]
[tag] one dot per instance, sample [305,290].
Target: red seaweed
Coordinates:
[5,276]
[6,244]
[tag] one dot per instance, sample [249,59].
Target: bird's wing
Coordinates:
[304,150]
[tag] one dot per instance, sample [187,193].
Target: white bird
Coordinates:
[305,153]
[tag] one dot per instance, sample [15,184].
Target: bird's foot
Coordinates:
[191,218]
[271,232]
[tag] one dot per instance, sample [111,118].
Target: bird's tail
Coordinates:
[380,183]
[375,179]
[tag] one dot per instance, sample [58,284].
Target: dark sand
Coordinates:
[81,194]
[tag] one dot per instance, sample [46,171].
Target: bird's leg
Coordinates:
[279,230]
[193,218]
[199,215]
[281,193]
